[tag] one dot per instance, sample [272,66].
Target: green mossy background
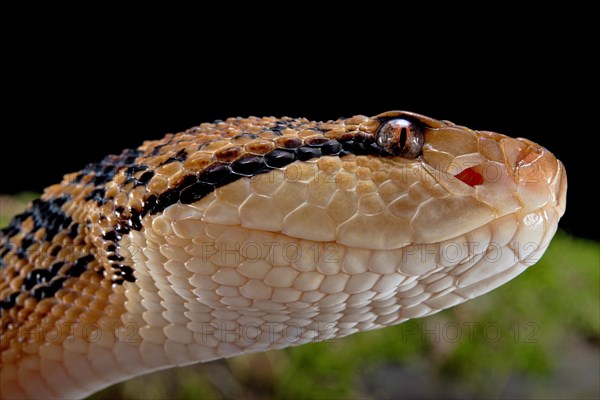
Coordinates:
[538,336]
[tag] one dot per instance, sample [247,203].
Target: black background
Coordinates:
[59,120]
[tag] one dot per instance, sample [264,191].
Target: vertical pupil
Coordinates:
[400,137]
[403,137]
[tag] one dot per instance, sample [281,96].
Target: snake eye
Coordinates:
[400,137]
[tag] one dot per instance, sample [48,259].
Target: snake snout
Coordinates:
[540,177]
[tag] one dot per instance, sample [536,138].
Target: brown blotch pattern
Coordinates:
[60,261]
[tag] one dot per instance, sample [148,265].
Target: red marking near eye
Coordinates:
[470,177]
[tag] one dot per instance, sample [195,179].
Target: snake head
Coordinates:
[461,179]
[377,182]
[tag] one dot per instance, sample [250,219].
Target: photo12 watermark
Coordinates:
[291,332]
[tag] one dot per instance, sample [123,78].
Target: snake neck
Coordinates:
[61,281]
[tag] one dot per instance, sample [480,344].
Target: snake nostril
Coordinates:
[470,177]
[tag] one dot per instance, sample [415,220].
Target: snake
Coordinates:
[252,234]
